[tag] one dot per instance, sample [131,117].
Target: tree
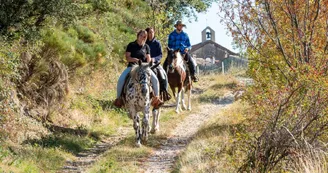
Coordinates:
[24,16]
[166,13]
[286,42]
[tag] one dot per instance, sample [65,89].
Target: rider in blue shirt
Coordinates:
[180,40]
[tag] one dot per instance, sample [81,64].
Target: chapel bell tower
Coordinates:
[208,34]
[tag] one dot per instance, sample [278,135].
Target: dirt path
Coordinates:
[163,159]
[86,158]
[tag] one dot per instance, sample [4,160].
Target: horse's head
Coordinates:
[174,59]
[142,74]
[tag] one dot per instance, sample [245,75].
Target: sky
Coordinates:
[211,19]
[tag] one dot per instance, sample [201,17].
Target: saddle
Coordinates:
[127,85]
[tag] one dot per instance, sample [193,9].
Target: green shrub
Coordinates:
[85,34]
[75,46]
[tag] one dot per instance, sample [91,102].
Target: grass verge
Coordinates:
[218,146]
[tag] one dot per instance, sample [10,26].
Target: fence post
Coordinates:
[197,70]
[222,67]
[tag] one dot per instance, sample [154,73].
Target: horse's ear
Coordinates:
[167,48]
[150,63]
[178,50]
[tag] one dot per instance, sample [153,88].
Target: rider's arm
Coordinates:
[170,42]
[129,58]
[128,54]
[159,53]
[148,58]
[187,43]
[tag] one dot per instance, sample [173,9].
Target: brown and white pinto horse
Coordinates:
[178,78]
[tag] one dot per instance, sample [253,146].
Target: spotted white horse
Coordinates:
[137,99]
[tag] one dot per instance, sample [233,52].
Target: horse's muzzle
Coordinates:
[171,69]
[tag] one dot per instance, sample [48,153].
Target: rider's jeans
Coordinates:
[164,75]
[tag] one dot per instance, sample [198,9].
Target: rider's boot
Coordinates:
[118,103]
[165,95]
[192,67]
[156,102]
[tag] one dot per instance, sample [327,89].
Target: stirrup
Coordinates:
[194,78]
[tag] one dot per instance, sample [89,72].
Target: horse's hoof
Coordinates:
[189,109]
[154,130]
[144,141]
[177,111]
[138,144]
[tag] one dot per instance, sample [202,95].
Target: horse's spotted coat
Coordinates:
[137,100]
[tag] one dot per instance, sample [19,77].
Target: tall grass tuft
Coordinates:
[310,160]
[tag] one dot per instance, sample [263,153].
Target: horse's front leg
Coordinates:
[173,92]
[189,99]
[145,124]
[136,126]
[177,109]
[182,99]
[155,124]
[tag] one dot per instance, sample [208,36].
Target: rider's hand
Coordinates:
[186,50]
[135,59]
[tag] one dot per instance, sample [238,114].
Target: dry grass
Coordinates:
[216,147]
[124,157]
[87,112]
[215,86]
[311,161]
[28,158]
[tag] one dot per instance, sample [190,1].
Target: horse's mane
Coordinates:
[179,57]
[135,69]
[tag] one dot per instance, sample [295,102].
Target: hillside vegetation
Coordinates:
[60,60]
[59,63]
